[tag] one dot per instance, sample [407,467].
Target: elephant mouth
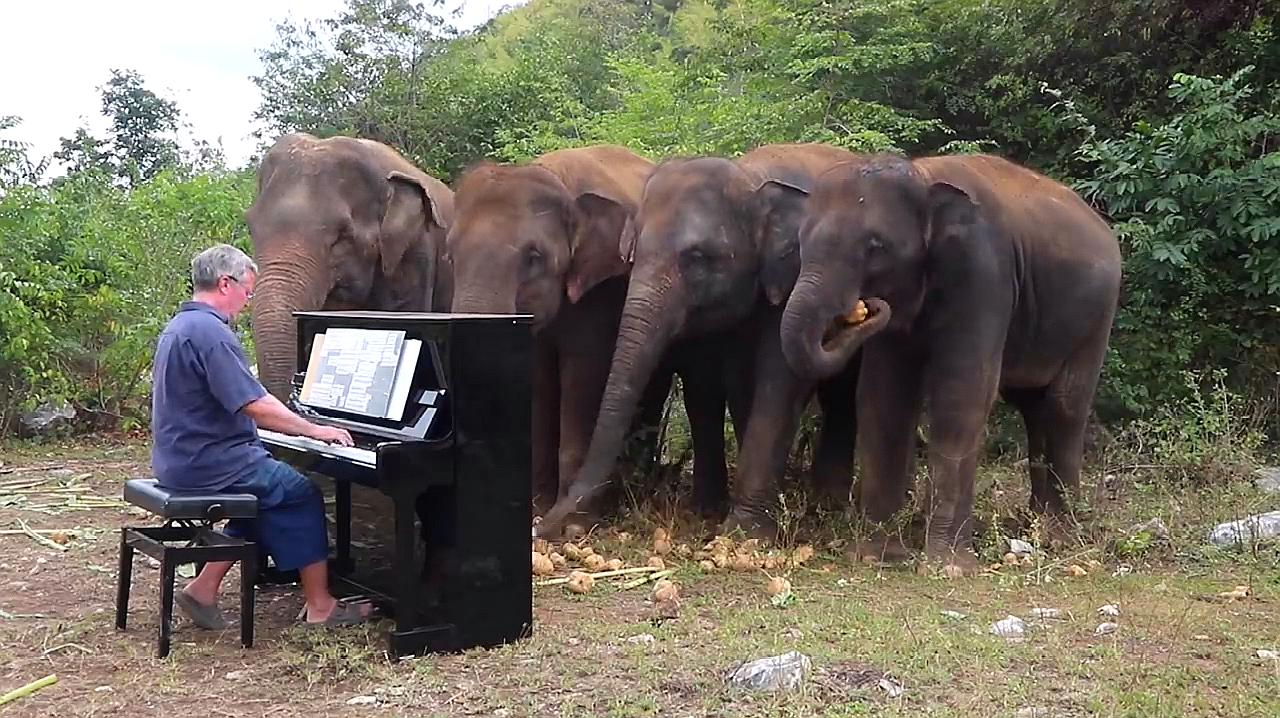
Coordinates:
[867,317]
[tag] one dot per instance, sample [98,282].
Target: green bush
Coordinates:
[1195,201]
[89,274]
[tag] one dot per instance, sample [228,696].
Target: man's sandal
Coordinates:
[344,613]
[207,616]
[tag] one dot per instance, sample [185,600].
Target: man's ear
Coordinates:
[947,208]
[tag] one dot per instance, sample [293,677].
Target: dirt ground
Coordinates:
[1179,648]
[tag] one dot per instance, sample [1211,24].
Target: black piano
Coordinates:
[431,506]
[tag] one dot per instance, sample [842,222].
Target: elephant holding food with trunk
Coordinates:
[714,256]
[340,223]
[956,278]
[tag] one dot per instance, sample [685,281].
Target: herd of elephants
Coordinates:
[880,284]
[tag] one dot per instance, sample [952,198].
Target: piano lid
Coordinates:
[443,316]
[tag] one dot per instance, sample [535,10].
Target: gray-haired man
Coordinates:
[206,407]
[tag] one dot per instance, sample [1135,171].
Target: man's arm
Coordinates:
[268,413]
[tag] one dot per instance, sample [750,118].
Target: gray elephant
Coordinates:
[340,223]
[542,238]
[958,278]
[714,252]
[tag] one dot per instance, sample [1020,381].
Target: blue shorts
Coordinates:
[290,525]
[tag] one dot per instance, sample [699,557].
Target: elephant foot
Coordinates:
[749,525]
[878,548]
[956,561]
[561,523]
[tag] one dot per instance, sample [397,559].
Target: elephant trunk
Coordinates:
[284,286]
[817,339]
[645,331]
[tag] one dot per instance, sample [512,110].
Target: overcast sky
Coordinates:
[56,53]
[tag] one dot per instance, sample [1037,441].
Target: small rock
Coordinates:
[502,712]
[1200,637]
[1110,610]
[1010,627]
[363,701]
[641,638]
[1155,528]
[793,633]
[1123,569]
[1268,479]
[1032,712]
[1105,629]
[1076,570]
[152,562]
[103,689]
[890,686]
[235,675]
[774,673]
[1020,547]
[1267,654]
[954,615]
[574,641]
[1046,613]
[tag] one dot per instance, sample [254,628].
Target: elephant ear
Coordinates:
[950,210]
[781,210]
[603,238]
[409,213]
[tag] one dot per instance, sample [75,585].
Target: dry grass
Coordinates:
[1179,649]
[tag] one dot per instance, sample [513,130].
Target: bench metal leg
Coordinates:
[248,580]
[124,580]
[167,570]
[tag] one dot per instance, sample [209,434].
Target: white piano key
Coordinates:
[354,454]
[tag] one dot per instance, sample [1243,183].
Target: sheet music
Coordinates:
[353,370]
[404,378]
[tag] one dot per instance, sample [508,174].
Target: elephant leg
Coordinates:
[545,432]
[890,388]
[1029,403]
[777,402]
[584,371]
[704,402]
[833,457]
[643,449]
[1064,415]
[961,393]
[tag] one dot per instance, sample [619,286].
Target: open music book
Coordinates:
[361,371]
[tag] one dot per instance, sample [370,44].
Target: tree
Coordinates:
[144,127]
[85,153]
[16,166]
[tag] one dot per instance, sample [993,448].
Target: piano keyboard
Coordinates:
[365,457]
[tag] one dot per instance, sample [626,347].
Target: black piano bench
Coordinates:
[187,518]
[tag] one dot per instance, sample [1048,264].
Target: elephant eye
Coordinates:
[534,260]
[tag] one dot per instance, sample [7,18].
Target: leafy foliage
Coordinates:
[1195,201]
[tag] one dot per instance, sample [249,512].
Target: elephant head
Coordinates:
[339,223]
[529,236]
[864,247]
[706,234]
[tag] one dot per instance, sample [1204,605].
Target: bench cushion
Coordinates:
[148,494]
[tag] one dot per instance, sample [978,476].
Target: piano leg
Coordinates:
[411,636]
[343,565]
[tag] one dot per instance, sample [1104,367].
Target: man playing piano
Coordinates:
[206,407]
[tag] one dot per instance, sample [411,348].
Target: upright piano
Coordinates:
[439,406]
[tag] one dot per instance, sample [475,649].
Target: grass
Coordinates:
[1180,648]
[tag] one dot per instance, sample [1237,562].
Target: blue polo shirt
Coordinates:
[200,381]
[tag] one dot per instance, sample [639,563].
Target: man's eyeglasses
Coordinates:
[248,294]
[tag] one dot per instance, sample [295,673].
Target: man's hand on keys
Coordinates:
[333,435]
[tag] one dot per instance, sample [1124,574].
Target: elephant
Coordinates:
[957,278]
[542,238]
[340,223]
[714,254]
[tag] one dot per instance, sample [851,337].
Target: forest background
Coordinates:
[1164,114]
